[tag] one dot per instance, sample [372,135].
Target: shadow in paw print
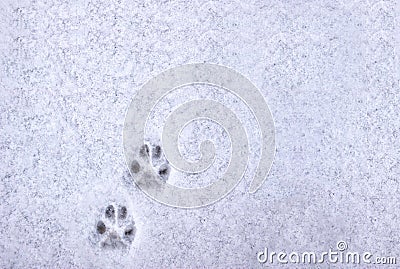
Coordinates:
[159,161]
[144,151]
[110,213]
[156,152]
[101,227]
[156,155]
[122,212]
[117,228]
[135,167]
[164,171]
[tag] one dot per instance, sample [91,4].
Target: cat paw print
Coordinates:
[147,160]
[157,160]
[116,229]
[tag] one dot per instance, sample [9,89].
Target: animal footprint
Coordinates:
[157,160]
[116,229]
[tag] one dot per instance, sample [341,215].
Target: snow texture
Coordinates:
[329,71]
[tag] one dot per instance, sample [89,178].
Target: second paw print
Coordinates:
[157,160]
[116,229]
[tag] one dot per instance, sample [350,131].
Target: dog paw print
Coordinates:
[116,229]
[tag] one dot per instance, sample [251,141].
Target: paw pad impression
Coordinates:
[116,229]
[157,160]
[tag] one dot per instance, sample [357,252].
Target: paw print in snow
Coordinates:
[117,228]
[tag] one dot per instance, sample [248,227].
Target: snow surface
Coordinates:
[329,71]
